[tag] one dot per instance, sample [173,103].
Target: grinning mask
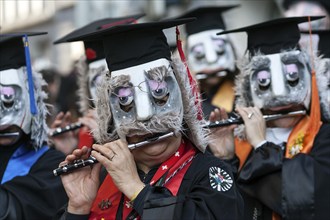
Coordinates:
[209,53]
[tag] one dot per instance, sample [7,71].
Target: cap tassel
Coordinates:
[304,133]
[192,81]
[315,113]
[33,107]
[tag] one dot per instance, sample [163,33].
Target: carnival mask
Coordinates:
[96,69]
[14,99]
[210,54]
[279,80]
[145,99]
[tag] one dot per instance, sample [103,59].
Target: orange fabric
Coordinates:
[276,216]
[242,150]
[225,96]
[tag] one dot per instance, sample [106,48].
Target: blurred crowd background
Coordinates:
[59,17]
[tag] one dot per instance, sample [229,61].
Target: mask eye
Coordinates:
[125,96]
[263,79]
[96,80]
[219,45]
[158,89]
[292,74]
[7,96]
[198,51]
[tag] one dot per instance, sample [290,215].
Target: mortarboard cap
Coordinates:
[129,45]
[15,53]
[94,49]
[208,18]
[273,36]
[12,51]
[323,45]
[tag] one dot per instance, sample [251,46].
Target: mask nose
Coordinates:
[210,54]
[277,76]
[142,103]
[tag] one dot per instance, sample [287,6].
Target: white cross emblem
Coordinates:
[164,167]
[177,154]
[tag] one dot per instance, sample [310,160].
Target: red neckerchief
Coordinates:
[170,173]
[85,138]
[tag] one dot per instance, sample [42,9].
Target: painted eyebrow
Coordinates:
[158,73]
[260,63]
[119,81]
[218,38]
[291,58]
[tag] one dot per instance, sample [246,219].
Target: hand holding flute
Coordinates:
[116,158]
[64,133]
[222,138]
[65,142]
[92,160]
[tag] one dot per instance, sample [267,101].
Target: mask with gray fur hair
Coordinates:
[191,127]
[245,83]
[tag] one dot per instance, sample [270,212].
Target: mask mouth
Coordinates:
[146,137]
[282,109]
[218,73]
[9,134]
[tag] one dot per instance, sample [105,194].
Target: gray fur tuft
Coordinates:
[39,128]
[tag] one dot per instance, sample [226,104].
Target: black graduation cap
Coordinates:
[94,49]
[12,51]
[273,36]
[15,53]
[208,18]
[129,45]
[323,45]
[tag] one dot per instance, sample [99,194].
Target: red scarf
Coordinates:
[85,138]
[171,171]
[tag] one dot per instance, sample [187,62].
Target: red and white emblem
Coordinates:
[220,179]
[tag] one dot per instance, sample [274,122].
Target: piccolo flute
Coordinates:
[92,160]
[61,130]
[239,120]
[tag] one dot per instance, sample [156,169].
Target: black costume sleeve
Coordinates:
[37,195]
[196,198]
[296,188]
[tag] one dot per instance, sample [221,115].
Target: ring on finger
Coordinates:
[250,115]
[114,154]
